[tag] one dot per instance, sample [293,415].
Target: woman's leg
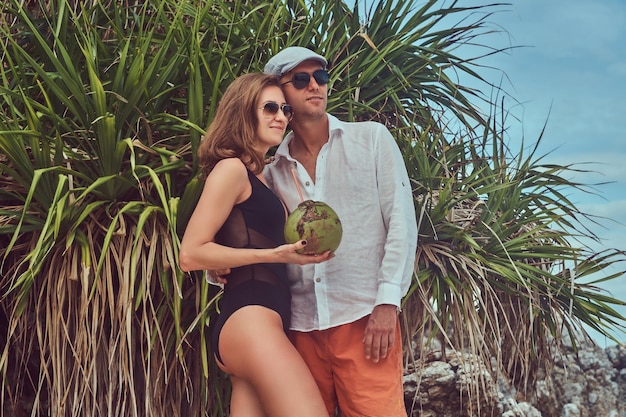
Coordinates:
[244,402]
[256,350]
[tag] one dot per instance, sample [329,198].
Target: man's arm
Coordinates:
[396,270]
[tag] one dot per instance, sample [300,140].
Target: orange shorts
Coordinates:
[357,386]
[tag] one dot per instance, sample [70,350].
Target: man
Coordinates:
[345,311]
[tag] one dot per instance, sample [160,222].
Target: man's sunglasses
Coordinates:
[301,80]
[271,108]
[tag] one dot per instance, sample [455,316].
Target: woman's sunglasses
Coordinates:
[271,108]
[301,80]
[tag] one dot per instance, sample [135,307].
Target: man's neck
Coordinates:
[310,135]
[308,138]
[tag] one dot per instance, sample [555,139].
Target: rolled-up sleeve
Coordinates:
[398,211]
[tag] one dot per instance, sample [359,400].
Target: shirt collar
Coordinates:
[335,126]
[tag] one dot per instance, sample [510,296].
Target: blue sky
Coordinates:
[569,74]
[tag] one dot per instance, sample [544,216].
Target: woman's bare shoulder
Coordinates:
[229,177]
[230,167]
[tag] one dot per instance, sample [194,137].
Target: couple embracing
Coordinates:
[303,335]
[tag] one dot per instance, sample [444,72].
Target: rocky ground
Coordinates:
[589,383]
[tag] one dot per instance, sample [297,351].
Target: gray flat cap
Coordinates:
[291,57]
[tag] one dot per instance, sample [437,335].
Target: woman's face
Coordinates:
[273,114]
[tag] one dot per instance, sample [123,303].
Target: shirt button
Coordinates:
[318,280]
[307,183]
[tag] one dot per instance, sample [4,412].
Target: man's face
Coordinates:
[309,101]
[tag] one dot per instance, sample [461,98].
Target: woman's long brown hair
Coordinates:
[232,133]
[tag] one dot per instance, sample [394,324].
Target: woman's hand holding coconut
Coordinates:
[292,253]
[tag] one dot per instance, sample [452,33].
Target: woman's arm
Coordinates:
[227,185]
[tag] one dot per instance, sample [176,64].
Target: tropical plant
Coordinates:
[499,272]
[103,104]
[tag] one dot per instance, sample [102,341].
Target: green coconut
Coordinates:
[317,223]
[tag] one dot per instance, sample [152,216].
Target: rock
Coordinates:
[587,383]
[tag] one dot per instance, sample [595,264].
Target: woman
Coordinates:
[238,224]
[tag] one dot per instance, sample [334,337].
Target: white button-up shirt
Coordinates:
[361,174]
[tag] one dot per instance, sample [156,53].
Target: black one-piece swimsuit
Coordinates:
[257,223]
